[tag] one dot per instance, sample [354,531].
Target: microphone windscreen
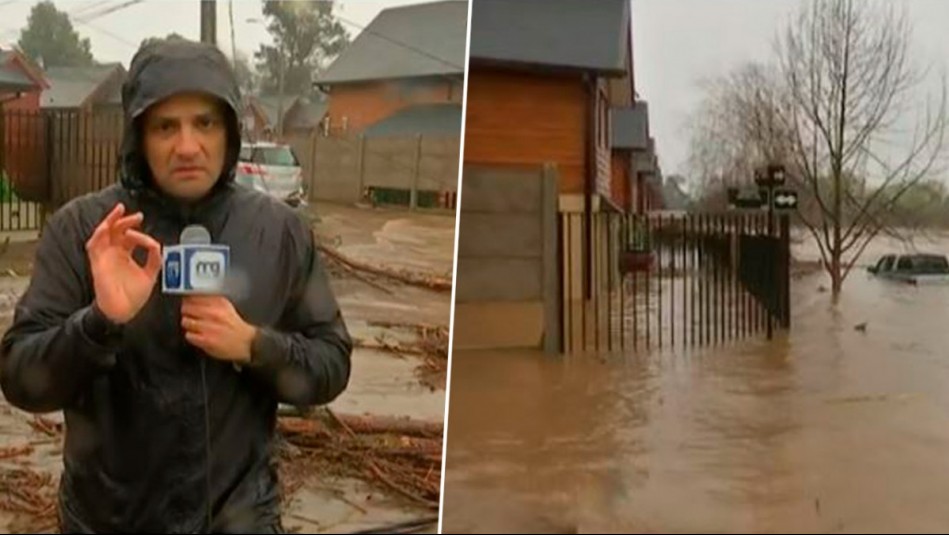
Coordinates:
[195,234]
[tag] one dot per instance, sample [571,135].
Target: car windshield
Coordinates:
[280,156]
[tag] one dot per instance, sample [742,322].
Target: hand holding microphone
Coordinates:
[122,287]
[197,270]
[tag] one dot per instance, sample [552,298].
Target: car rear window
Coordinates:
[932,264]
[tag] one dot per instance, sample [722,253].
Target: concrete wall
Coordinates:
[339,169]
[508,282]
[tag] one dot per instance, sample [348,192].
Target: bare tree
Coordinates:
[739,128]
[851,89]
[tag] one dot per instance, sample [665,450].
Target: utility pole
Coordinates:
[281,89]
[209,21]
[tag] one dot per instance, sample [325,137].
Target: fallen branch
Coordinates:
[399,455]
[430,282]
[354,273]
[399,489]
[322,425]
[46,426]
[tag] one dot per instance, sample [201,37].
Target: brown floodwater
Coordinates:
[825,428]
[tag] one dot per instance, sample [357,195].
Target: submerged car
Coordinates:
[272,168]
[915,268]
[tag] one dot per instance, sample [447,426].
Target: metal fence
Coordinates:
[636,282]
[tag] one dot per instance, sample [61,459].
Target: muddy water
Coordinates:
[825,429]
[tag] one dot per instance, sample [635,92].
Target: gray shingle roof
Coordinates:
[404,42]
[422,119]
[12,80]
[630,127]
[69,87]
[309,113]
[571,34]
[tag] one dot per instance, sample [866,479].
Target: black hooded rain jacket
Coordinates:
[141,405]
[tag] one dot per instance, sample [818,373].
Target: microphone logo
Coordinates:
[207,268]
[195,266]
[172,270]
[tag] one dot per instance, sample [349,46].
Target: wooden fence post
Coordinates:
[416,169]
[360,167]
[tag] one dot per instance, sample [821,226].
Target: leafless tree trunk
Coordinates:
[851,86]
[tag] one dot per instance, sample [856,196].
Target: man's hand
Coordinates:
[122,287]
[213,325]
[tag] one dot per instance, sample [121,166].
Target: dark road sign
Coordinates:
[755,198]
[784,199]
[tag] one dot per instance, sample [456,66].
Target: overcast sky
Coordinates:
[678,42]
[116,36]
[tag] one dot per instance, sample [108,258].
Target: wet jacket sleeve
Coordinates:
[306,358]
[58,340]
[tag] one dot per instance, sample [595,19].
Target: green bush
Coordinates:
[6,189]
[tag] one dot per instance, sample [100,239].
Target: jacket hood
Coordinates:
[162,69]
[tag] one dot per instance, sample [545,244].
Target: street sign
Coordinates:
[770,176]
[784,199]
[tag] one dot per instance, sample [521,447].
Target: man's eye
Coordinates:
[165,127]
[206,122]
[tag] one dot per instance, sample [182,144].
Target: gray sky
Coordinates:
[676,43]
[116,36]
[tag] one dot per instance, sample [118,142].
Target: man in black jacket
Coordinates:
[170,403]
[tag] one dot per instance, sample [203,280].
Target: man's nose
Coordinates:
[189,144]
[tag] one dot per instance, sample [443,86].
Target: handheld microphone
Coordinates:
[195,266]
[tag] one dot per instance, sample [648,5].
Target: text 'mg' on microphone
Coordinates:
[195,266]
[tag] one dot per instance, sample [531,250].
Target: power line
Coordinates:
[87,17]
[108,33]
[107,11]
[88,8]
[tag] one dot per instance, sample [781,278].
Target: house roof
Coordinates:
[405,42]
[631,127]
[12,80]
[308,113]
[70,87]
[645,162]
[16,76]
[673,197]
[566,34]
[422,119]
[271,104]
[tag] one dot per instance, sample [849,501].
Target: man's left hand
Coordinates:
[212,324]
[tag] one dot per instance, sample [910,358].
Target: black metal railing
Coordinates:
[684,280]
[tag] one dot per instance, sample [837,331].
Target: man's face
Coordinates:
[185,144]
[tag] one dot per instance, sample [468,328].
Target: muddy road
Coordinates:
[825,429]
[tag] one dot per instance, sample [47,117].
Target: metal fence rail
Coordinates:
[671,280]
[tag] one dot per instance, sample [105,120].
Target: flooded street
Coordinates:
[827,428]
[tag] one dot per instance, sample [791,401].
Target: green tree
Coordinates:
[172,36]
[50,40]
[307,35]
[247,77]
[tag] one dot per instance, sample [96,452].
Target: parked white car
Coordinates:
[273,169]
